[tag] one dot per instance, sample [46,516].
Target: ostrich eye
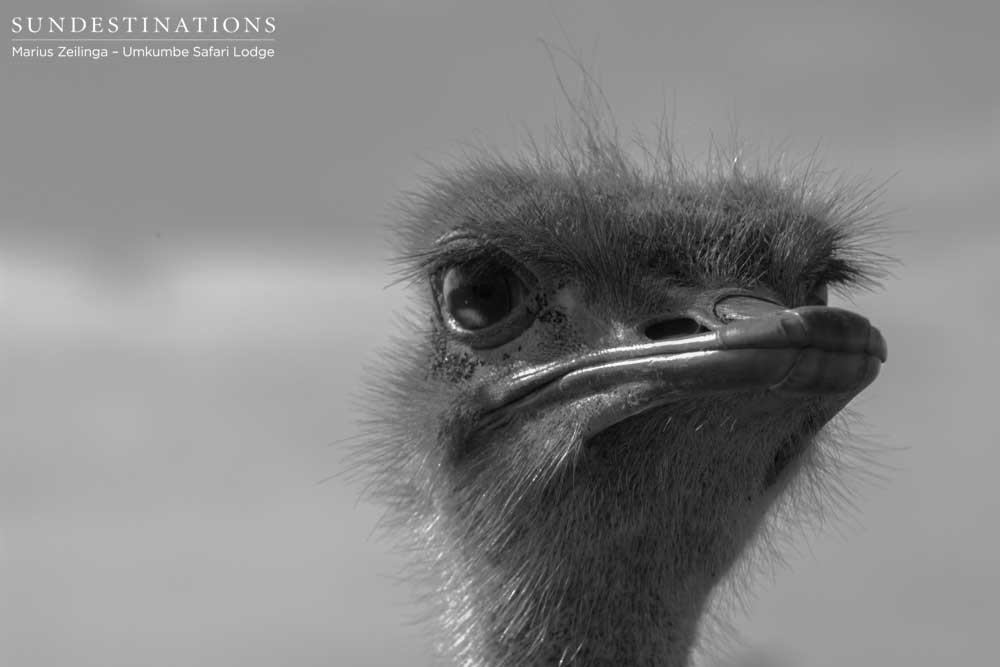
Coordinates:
[818,295]
[482,295]
[484,301]
[479,299]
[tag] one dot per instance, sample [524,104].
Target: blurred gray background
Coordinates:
[192,271]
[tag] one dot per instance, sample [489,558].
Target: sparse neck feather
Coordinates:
[610,608]
[610,563]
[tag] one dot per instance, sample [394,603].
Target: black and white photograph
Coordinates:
[373,333]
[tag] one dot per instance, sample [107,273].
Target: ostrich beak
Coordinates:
[812,350]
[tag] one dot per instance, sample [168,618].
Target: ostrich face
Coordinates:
[616,371]
[621,374]
[547,344]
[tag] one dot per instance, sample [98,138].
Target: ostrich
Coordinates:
[613,373]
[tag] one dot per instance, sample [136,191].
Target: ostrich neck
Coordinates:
[619,607]
[612,560]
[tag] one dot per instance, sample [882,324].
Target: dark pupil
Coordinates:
[478,302]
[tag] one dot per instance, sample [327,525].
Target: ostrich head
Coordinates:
[611,374]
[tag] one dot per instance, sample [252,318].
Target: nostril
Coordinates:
[673,329]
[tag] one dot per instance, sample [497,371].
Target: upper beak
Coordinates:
[812,350]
